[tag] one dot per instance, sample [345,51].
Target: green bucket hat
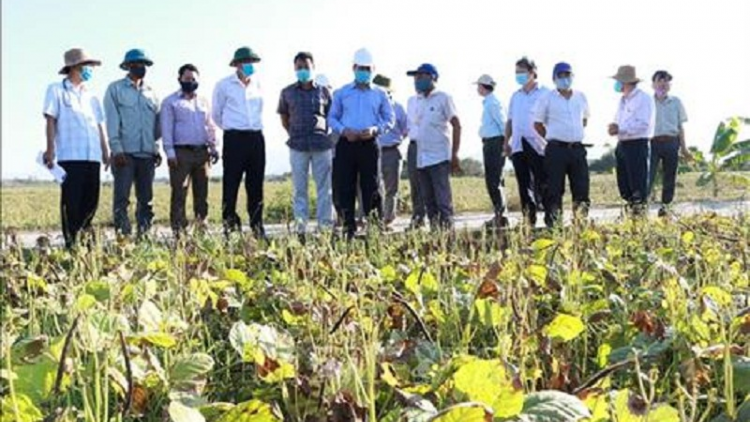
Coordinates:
[382,81]
[242,54]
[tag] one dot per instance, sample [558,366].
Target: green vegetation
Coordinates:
[636,321]
[36,206]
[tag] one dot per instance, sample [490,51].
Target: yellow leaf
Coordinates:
[565,327]
[464,412]
[486,381]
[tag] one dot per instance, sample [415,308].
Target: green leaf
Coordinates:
[663,413]
[84,303]
[490,313]
[250,411]
[178,412]
[464,412]
[191,368]
[537,273]
[704,179]
[99,289]
[487,382]
[23,406]
[388,273]
[553,406]
[36,380]
[425,284]
[741,375]
[213,411]
[565,327]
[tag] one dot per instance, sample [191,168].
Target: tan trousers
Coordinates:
[192,167]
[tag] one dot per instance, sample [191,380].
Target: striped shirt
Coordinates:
[670,116]
[307,110]
[78,114]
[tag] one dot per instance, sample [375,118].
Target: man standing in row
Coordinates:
[668,142]
[360,113]
[436,156]
[237,110]
[131,107]
[189,138]
[390,154]
[560,117]
[75,138]
[633,126]
[492,132]
[303,108]
[523,144]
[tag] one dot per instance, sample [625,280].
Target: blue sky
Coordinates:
[703,44]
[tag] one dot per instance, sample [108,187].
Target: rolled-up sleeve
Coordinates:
[386,115]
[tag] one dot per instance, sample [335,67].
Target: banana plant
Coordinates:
[728,156]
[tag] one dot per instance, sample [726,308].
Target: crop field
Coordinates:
[37,206]
[637,321]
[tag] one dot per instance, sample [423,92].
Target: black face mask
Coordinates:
[188,87]
[138,72]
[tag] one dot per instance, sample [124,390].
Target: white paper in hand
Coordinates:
[56,171]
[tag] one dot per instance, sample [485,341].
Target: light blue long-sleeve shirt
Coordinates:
[132,114]
[399,131]
[493,118]
[360,108]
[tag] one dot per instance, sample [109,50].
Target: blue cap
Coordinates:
[425,68]
[560,68]
[135,55]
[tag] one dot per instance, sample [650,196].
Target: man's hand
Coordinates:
[213,156]
[369,133]
[105,160]
[351,135]
[119,160]
[455,165]
[686,154]
[157,159]
[613,129]
[507,151]
[49,158]
[172,163]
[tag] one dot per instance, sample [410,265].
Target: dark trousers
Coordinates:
[632,170]
[243,154]
[138,171]
[666,153]
[532,180]
[79,198]
[561,160]
[357,161]
[435,184]
[494,161]
[193,166]
[418,211]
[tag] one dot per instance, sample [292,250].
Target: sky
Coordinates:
[705,45]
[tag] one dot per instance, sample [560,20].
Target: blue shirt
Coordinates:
[360,108]
[132,118]
[307,110]
[394,136]
[493,119]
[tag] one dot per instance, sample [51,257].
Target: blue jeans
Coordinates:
[321,162]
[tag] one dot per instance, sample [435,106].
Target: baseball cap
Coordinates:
[425,68]
[560,68]
[485,80]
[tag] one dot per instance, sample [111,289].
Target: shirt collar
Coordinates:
[535,88]
[632,94]
[68,85]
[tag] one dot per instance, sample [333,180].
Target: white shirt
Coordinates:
[635,116]
[78,114]
[521,115]
[562,117]
[431,116]
[236,106]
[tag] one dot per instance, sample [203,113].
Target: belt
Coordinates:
[390,147]
[563,144]
[241,131]
[664,138]
[494,138]
[191,147]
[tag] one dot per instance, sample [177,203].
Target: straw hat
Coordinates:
[626,75]
[76,56]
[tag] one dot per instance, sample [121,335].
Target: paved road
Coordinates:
[464,221]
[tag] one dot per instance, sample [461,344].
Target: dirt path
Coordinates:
[463,221]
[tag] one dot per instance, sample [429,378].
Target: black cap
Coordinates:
[661,74]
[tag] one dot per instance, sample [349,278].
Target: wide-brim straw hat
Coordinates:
[76,56]
[626,75]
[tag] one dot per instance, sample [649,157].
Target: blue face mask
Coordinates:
[362,76]
[86,73]
[248,69]
[522,78]
[618,86]
[304,75]
[564,83]
[422,85]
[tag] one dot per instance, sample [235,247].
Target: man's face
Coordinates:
[662,84]
[190,76]
[362,68]
[306,64]
[522,70]
[564,75]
